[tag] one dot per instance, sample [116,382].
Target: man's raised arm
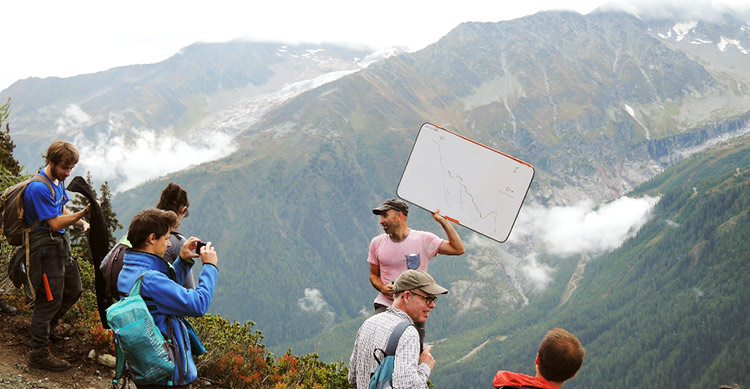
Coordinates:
[454,245]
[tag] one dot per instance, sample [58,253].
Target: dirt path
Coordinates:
[14,358]
[481,346]
[577,276]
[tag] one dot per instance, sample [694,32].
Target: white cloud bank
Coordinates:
[127,157]
[143,155]
[583,229]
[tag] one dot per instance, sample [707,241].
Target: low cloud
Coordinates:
[537,274]
[143,154]
[313,301]
[477,241]
[562,231]
[711,11]
[581,228]
[126,156]
[72,119]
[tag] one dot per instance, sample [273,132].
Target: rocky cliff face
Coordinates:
[583,97]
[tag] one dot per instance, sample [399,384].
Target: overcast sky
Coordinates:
[66,38]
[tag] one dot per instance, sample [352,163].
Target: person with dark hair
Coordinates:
[400,248]
[558,359]
[53,271]
[161,287]
[174,198]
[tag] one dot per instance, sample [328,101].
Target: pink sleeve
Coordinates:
[432,244]
[373,256]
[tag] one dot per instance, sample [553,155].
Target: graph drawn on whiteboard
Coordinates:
[478,187]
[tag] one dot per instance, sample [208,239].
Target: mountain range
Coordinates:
[600,104]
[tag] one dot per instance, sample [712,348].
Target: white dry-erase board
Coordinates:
[471,184]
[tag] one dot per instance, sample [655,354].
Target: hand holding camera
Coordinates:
[194,248]
[207,253]
[198,246]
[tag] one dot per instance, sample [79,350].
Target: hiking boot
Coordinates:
[55,336]
[42,358]
[59,332]
[7,309]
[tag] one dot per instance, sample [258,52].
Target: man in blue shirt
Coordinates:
[168,301]
[53,270]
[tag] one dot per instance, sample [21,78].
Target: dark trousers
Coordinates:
[419,326]
[65,287]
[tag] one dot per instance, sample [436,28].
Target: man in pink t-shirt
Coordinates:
[401,248]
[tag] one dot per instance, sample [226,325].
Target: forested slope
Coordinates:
[667,309]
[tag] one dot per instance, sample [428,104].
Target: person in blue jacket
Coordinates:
[168,301]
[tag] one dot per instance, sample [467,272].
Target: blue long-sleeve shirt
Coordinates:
[168,298]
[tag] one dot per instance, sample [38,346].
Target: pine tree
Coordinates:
[110,217]
[10,173]
[7,162]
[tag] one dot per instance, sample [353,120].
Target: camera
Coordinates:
[198,246]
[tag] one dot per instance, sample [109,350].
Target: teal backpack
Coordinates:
[139,342]
[382,376]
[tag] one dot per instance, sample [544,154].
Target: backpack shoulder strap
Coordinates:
[136,289]
[35,178]
[40,178]
[395,336]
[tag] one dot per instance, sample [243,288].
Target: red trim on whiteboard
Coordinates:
[450,218]
[485,146]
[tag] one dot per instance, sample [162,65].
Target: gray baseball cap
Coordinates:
[417,279]
[394,204]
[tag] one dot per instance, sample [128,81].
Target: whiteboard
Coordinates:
[471,184]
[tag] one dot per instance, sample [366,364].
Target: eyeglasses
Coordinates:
[427,300]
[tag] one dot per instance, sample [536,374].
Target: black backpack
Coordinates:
[111,266]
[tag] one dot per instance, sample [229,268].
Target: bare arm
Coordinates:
[454,245]
[377,283]
[68,219]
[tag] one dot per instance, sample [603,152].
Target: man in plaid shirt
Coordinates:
[414,294]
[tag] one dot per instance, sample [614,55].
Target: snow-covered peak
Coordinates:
[691,33]
[682,29]
[379,55]
[725,42]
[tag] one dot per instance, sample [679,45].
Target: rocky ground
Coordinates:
[14,357]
